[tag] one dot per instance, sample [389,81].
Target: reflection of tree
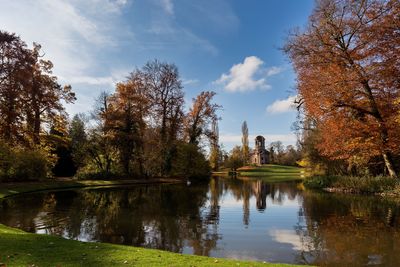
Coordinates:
[216,191]
[160,216]
[246,208]
[344,230]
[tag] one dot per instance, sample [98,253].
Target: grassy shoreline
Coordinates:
[368,185]
[267,173]
[9,189]
[18,248]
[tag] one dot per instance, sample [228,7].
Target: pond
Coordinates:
[231,218]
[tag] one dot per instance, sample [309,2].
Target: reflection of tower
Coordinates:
[260,190]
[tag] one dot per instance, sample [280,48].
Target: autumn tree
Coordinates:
[164,89]
[128,110]
[346,62]
[29,93]
[43,95]
[245,143]
[13,70]
[30,97]
[200,117]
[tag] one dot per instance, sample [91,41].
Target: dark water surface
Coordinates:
[232,218]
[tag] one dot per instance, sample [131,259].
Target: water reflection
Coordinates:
[346,230]
[240,218]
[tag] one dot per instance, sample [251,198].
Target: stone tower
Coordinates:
[260,155]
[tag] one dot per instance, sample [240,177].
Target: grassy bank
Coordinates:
[7,189]
[269,172]
[18,248]
[381,185]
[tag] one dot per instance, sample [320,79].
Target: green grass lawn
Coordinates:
[18,248]
[270,173]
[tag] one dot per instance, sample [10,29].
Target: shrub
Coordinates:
[319,182]
[86,174]
[7,157]
[30,165]
[92,172]
[366,184]
[17,164]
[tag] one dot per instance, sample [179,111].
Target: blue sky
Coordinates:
[231,47]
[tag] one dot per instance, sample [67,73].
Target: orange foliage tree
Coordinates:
[14,67]
[200,117]
[127,111]
[347,64]
[30,94]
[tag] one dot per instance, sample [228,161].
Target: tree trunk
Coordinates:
[36,128]
[382,129]
[389,164]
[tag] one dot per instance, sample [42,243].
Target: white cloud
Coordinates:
[247,76]
[288,237]
[73,33]
[106,80]
[190,81]
[273,71]
[282,106]
[69,31]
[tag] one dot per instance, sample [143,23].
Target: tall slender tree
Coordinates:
[215,153]
[245,143]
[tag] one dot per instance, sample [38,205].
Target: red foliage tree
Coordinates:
[347,64]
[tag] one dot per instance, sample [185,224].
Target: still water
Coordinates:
[231,218]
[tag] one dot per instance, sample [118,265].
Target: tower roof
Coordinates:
[260,138]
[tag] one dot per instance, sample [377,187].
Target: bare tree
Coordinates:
[165,93]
